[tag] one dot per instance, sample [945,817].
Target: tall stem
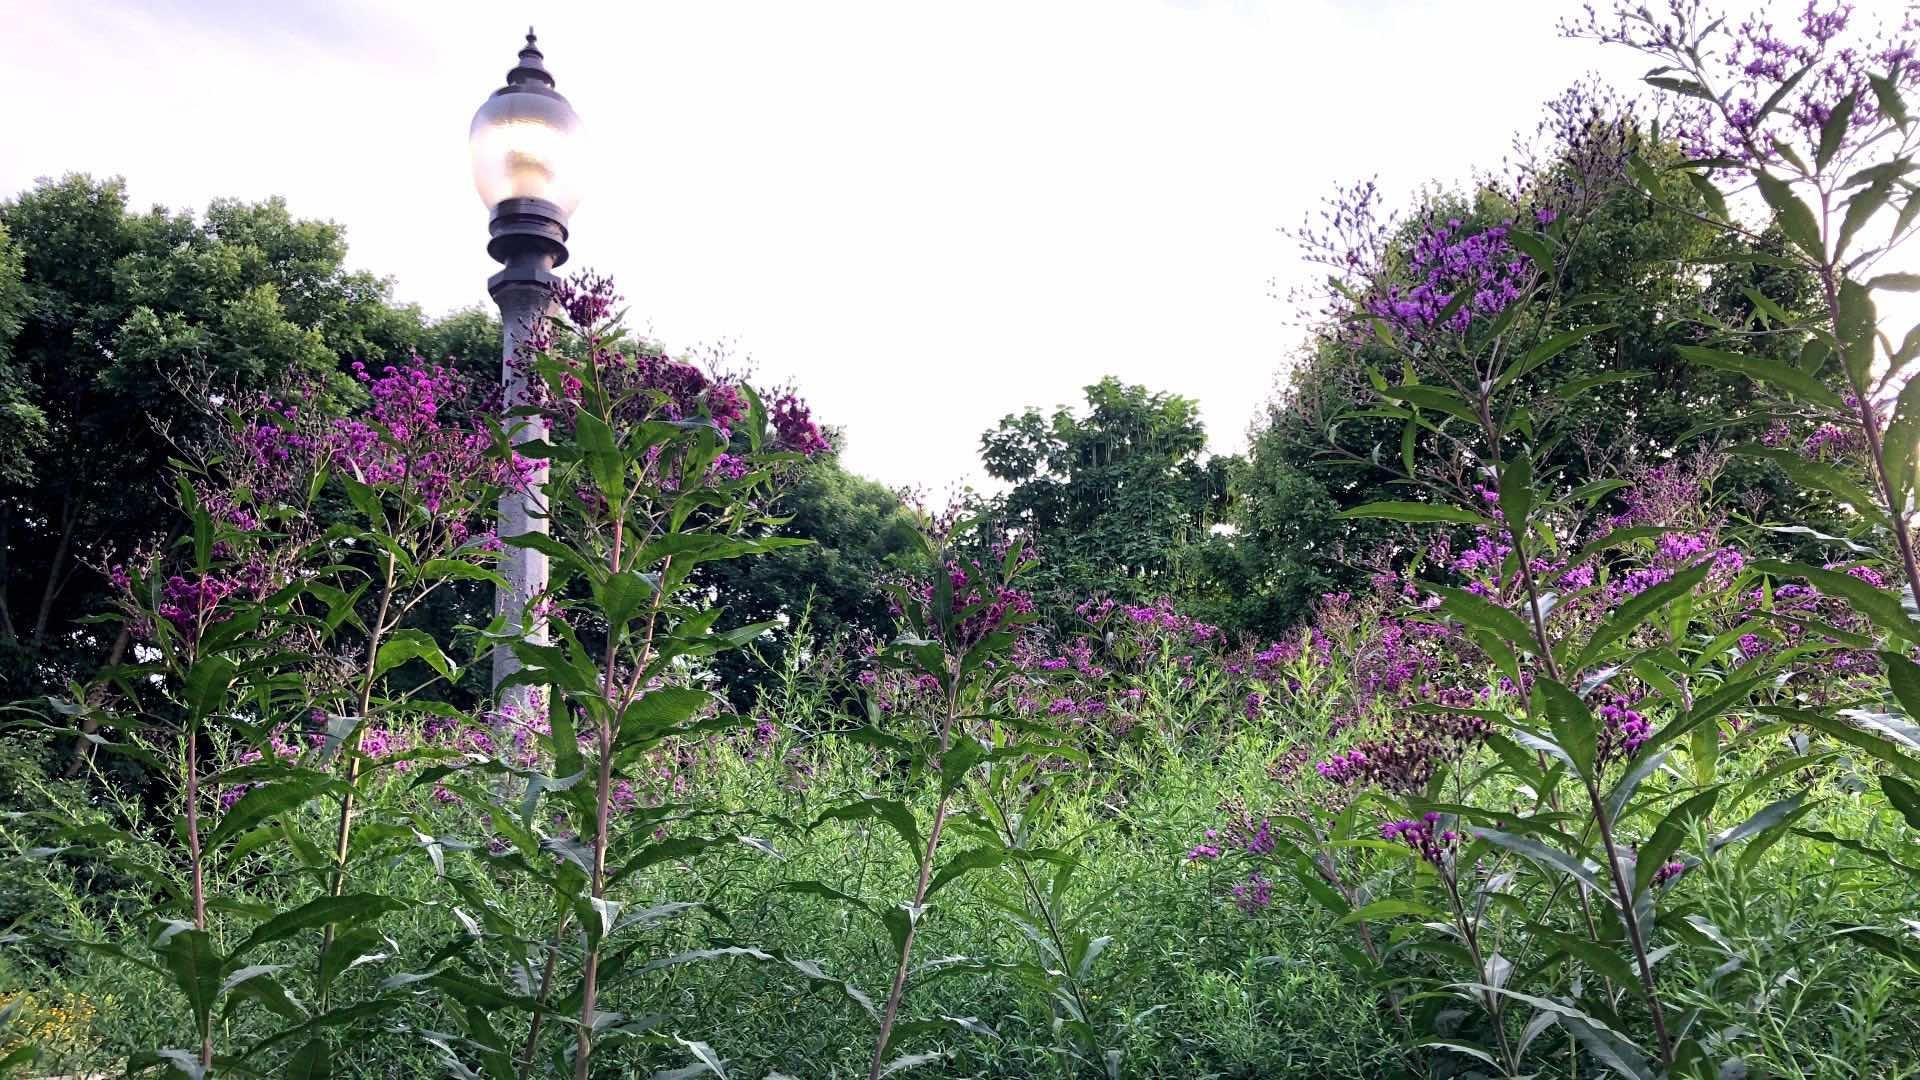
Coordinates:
[898,989]
[198,871]
[343,829]
[1876,442]
[1623,892]
[540,996]
[1471,935]
[602,797]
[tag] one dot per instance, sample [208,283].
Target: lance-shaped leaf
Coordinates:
[1668,835]
[350,909]
[892,812]
[195,966]
[407,645]
[1773,372]
[1418,513]
[1574,728]
[1876,604]
[1904,797]
[1771,816]
[1546,855]
[1637,611]
[265,801]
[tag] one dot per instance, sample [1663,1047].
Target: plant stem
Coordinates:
[540,997]
[1622,892]
[602,798]
[343,829]
[199,876]
[1471,936]
[898,989]
[1046,912]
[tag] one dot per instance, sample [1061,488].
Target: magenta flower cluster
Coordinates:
[1425,836]
[1746,66]
[1447,259]
[1407,756]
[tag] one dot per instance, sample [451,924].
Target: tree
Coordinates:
[1112,500]
[121,336]
[1660,278]
[858,528]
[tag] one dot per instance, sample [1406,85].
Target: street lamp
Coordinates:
[522,143]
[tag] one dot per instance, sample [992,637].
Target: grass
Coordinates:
[1189,986]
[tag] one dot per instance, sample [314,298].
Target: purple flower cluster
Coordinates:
[793,426]
[1253,895]
[1207,850]
[1668,871]
[1425,836]
[1622,731]
[1409,754]
[1445,260]
[1751,63]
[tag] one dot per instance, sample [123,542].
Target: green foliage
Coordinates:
[857,531]
[1115,499]
[1638,265]
[120,335]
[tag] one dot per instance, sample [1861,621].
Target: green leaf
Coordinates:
[1896,283]
[1637,611]
[1877,605]
[313,1061]
[195,966]
[1888,95]
[1857,329]
[1542,853]
[1668,835]
[460,570]
[662,709]
[1861,208]
[347,950]
[1904,797]
[407,645]
[1600,958]
[1883,749]
[958,760]
[350,909]
[1572,722]
[893,813]
[622,596]
[911,1061]
[1680,86]
[981,858]
[1547,350]
[1418,513]
[1791,379]
[206,685]
[1389,909]
[1771,816]
[1478,612]
[1575,388]
[1516,491]
[1814,475]
[1433,397]
[1792,215]
[604,460]
[554,549]
[1834,131]
[262,802]
[1716,202]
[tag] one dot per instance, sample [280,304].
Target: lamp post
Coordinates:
[521,143]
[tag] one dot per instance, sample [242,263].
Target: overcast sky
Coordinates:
[926,214]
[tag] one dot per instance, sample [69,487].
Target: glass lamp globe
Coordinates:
[524,140]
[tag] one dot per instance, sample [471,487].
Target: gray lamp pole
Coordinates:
[520,142]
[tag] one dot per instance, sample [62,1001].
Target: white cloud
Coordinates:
[926,215]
